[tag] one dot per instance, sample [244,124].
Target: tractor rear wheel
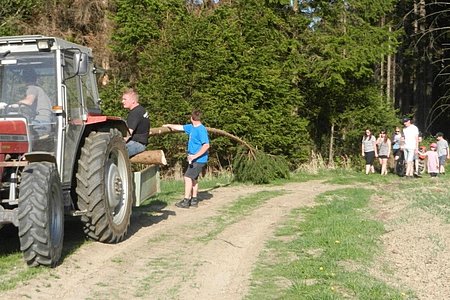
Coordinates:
[104,186]
[41,214]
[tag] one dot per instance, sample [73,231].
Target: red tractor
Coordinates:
[58,154]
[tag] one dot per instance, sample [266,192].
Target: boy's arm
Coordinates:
[177,127]
[202,150]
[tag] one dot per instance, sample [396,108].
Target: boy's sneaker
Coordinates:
[185,203]
[194,202]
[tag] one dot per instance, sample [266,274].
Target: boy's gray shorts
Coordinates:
[193,170]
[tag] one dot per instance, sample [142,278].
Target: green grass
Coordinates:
[173,190]
[324,254]
[432,195]
[236,211]
[14,271]
[339,176]
[353,177]
[299,177]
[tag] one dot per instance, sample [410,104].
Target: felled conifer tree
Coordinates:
[250,165]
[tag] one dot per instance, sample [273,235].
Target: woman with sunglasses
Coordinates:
[369,150]
[384,151]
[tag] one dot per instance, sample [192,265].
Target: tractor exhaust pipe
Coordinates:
[13,188]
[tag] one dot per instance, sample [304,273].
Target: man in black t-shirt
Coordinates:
[137,121]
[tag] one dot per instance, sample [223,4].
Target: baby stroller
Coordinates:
[400,164]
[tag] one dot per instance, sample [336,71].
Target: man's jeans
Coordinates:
[134,148]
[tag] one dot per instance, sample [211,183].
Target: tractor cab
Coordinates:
[49,86]
[28,104]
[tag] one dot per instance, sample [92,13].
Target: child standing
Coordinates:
[442,151]
[433,160]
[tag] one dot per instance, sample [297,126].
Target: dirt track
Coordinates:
[164,258]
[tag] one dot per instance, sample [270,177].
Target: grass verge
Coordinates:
[432,195]
[14,270]
[234,212]
[325,254]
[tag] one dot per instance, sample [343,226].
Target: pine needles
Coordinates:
[258,167]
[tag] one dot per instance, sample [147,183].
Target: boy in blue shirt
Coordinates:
[197,157]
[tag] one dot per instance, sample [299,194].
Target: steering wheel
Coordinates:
[18,109]
[10,109]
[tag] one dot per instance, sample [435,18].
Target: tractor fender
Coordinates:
[104,123]
[38,156]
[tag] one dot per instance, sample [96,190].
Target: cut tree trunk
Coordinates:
[150,157]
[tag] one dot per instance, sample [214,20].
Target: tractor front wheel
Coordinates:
[41,214]
[104,186]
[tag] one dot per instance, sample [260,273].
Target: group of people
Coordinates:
[197,147]
[405,147]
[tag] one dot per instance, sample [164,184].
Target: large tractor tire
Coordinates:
[41,214]
[104,186]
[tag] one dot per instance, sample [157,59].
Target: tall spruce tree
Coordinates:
[344,46]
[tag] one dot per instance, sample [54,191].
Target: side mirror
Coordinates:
[80,62]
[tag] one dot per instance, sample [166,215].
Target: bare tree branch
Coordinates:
[165,130]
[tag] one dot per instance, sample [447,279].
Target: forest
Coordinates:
[290,77]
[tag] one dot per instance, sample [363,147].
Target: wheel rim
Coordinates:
[117,185]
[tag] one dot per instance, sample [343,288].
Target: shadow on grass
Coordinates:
[74,236]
